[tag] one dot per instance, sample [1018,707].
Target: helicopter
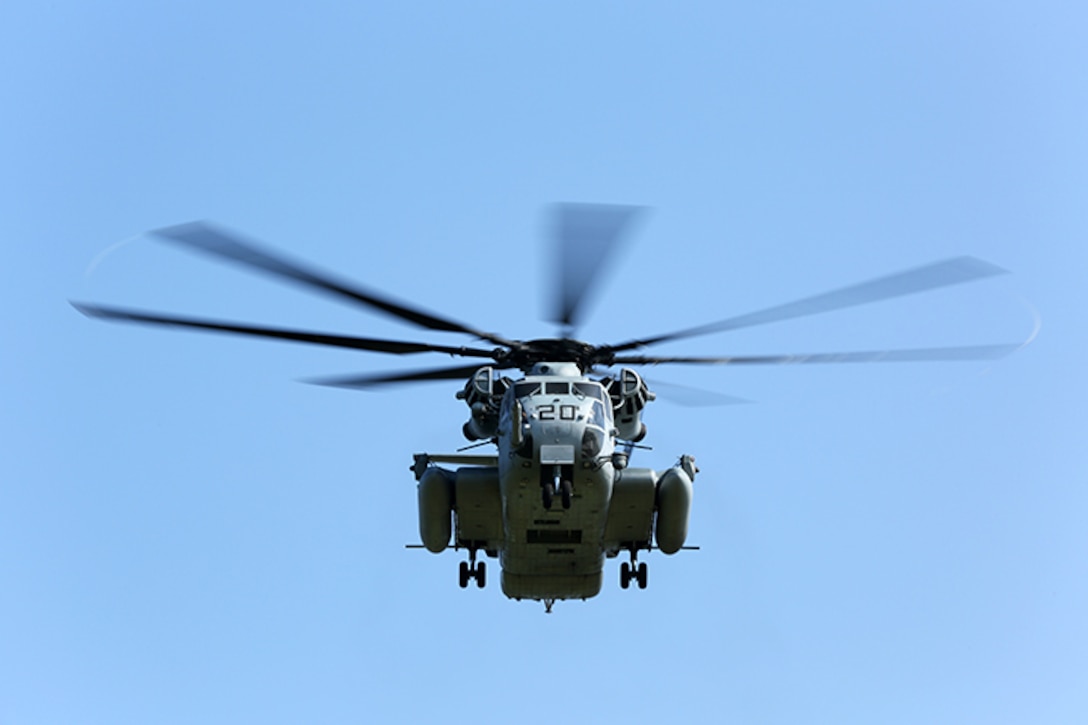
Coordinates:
[558,497]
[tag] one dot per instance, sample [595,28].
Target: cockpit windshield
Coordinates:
[522,390]
[590,389]
[591,403]
[581,389]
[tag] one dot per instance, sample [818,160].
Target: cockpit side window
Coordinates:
[597,415]
[557,388]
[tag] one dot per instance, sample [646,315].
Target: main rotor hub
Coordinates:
[561,369]
[528,355]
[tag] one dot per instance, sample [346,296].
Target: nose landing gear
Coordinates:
[560,482]
[566,492]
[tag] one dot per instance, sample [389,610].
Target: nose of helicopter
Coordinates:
[578,441]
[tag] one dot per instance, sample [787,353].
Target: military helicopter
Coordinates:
[557,498]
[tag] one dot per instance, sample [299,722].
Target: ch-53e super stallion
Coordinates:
[557,497]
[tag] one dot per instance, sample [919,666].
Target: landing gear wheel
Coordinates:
[548,490]
[566,492]
[470,570]
[625,575]
[464,574]
[641,575]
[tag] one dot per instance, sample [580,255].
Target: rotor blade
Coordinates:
[929,277]
[315,338]
[690,397]
[585,236]
[203,237]
[363,382]
[934,354]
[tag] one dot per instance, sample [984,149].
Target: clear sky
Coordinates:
[189,535]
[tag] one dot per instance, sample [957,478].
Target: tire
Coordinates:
[567,492]
[463,578]
[625,575]
[548,494]
[481,575]
[642,575]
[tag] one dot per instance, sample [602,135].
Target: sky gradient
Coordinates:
[189,535]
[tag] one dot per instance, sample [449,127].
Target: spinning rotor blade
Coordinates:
[315,338]
[690,397]
[975,352]
[585,236]
[362,382]
[921,279]
[203,237]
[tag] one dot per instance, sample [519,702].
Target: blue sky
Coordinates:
[187,535]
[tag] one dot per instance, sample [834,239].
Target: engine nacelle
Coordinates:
[483,424]
[435,509]
[483,394]
[629,396]
[674,492]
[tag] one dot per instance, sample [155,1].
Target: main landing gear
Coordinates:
[472,570]
[634,571]
[557,484]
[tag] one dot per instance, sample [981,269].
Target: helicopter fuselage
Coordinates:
[558,499]
[555,432]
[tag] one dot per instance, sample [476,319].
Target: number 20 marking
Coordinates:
[566,412]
